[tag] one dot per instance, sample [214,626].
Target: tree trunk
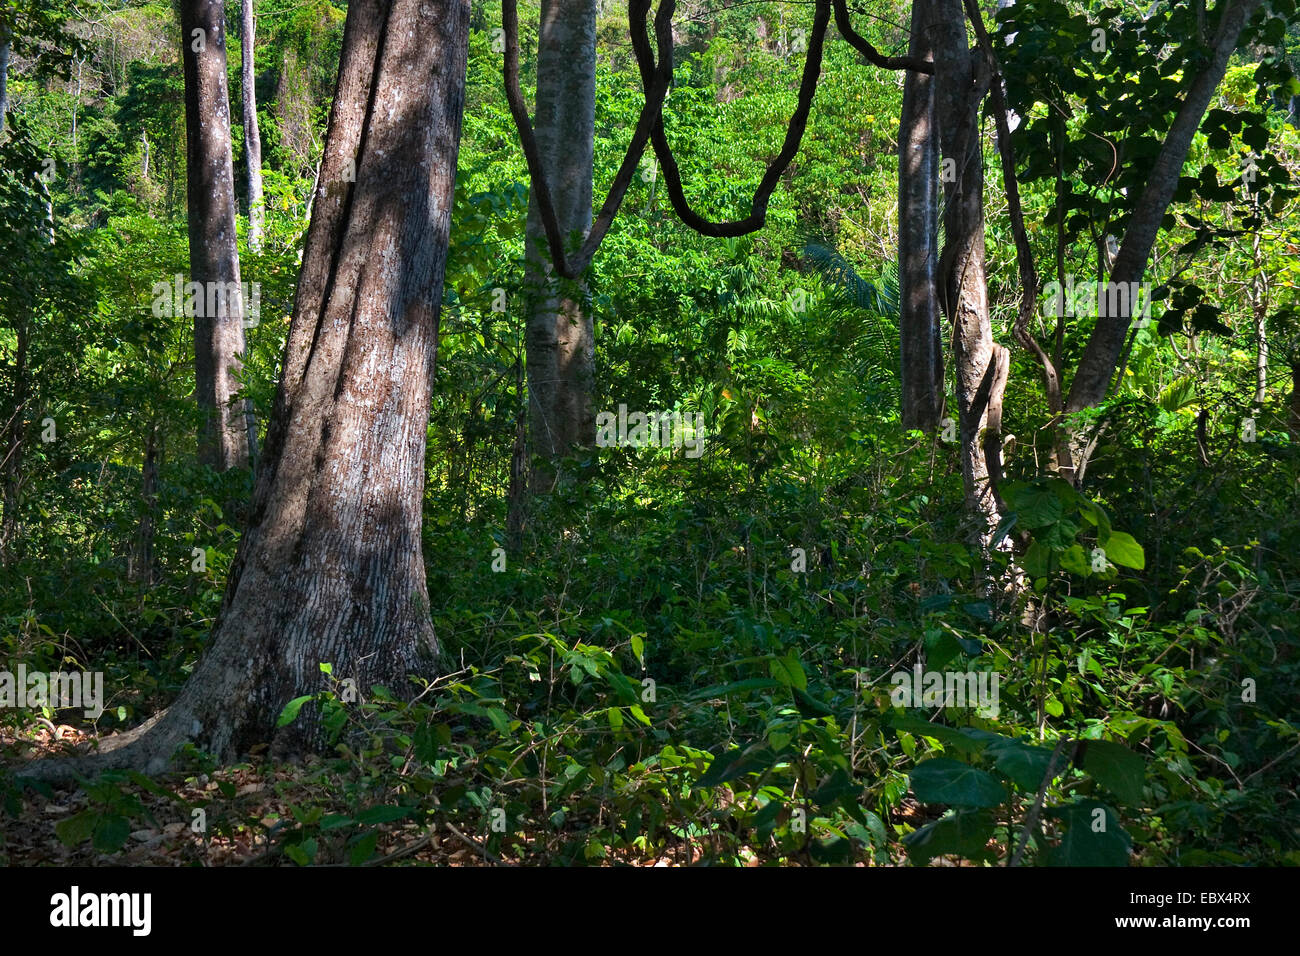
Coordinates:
[252,139]
[961,80]
[15,433]
[560,337]
[4,74]
[330,569]
[140,565]
[1258,294]
[214,258]
[921,340]
[1092,379]
[1293,419]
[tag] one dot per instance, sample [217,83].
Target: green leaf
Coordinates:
[1023,764]
[737,763]
[965,833]
[638,648]
[951,738]
[291,711]
[76,829]
[364,848]
[788,671]
[1036,506]
[810,706]
[1036,560]
[940,648]
[384,813]
[111,832]
[831,850]
[499,719]
[1116,768]
[944,780]
[1123,549]
[1091,838]
[1074,560]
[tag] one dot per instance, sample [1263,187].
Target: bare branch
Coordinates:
[860,43]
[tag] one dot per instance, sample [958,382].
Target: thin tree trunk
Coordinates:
[920,338]
[1097,366]
[330,569]
[214,258]
[252,140]
[4,74]
[1258,292]
[961,81]
[1293,420]
[13,447]
[560,338]
[140,567]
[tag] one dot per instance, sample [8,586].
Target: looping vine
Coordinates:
[656,88]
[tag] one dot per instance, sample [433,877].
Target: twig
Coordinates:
[1032,820]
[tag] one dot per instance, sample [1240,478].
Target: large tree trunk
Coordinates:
[961,80]
[560,337]
[330,569]
[920,338]
[1100,358]
[252,139]
[214,258]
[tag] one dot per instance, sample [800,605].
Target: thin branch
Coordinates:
[1037,808]
[860,43]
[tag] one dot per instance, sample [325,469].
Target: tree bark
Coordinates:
[252,138]
[214,258]
[961,81]
[4,73]
[14,443]
[560,338]
[330,569]
[920,338]
[140,565]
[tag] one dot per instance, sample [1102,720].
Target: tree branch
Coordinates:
[860,43]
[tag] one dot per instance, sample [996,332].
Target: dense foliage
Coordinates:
[694,658]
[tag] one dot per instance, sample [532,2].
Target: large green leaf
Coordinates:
[1123,549]
[291,711]
[965,833]
[1116,768]
[943,780]
[1037,506]
[1025,765]
[737,763]
[1093,837]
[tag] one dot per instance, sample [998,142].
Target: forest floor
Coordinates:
[259,802]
